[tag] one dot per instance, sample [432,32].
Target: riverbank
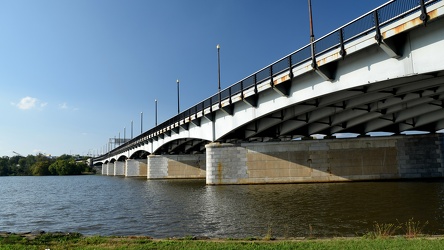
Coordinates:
[54,241]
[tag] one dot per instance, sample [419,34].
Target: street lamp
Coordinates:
[218,73]
[178,100]
[313,63]
[311,21]
[131,129]
[141,122]
[155,111]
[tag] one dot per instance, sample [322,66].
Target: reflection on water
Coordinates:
[166,208]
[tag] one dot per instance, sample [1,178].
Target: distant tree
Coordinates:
[4,167]
[65,166]
[41,168]
[41,165]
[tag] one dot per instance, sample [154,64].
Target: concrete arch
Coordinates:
[183,146]
[122,158]
[139,154]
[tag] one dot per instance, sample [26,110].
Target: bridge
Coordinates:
[382,72]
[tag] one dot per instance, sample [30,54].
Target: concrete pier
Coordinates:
[136,168]
[104,169]
[329,160]
[176,166]
[119,168]
[110,168]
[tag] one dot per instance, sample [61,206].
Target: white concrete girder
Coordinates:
[402,115]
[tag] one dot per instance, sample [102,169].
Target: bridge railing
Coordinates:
[361,26]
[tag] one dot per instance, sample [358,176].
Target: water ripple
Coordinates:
[165,208]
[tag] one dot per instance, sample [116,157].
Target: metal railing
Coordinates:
[361,26]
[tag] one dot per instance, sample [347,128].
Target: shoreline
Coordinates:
[31,235]
[59,240]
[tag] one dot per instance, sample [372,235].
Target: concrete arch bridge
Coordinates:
[382,72]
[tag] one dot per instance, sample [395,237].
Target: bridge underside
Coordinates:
[393,106]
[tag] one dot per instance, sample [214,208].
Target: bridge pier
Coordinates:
[110,168]
[104,169]
[119,168]
[328,160]
[136,168]
[176,166]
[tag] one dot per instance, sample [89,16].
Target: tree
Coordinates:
[41,168]
[4,169]
[65,166]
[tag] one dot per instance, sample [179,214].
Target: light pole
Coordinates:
[124,134]
[131,129]
[311,21]
[141,122]
[178,99]
[155,111]
[313,63]
[218,73]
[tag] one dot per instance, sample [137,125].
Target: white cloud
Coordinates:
[63,106]
[27,103]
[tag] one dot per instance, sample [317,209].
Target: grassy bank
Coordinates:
[77,241]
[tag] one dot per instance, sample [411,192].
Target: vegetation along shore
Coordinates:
[406,235]
[43,165]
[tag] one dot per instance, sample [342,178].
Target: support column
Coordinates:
[157,167]
[110,168]
[136,168]
[104,169]
[226,164]
[119,168]
[176,166]
[421,156]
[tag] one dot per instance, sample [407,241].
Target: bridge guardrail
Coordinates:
[359,27]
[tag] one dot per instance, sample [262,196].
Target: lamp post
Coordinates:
[124,134]
[218,73]
[311,21]
[131,129]
[313,63]
[141,122]
[178,99]
[155,111]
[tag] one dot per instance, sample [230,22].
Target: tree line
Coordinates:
[43,165]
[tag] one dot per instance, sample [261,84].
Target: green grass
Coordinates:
[98,242]
[408,235]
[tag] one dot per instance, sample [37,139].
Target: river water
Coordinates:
[105,205]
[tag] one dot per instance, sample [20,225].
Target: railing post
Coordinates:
[342,52]
[424,17]
[378,36]
[255,84]
[271,76]
[289,67]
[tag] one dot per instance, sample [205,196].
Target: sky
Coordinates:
[75,73]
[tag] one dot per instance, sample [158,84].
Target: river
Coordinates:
[105,205]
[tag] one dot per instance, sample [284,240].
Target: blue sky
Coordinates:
[75,73]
